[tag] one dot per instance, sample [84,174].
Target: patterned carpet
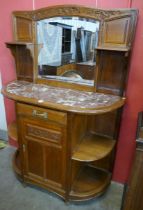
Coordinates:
[3,144]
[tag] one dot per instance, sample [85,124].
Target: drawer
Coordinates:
[41,113]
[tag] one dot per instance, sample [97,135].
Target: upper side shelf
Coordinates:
[18,43]
[23,53]
[62,98]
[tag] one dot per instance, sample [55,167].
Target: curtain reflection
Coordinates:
[86,42]
[50,42]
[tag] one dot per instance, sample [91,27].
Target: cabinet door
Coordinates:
[44,151]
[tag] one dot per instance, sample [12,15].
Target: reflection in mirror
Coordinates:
[66,49]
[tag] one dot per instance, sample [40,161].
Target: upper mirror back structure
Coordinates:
[100,67]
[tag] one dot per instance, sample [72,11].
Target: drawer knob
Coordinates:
[44,115]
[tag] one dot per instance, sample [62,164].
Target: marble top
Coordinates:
[61,96]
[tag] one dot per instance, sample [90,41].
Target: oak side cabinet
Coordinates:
[67,127]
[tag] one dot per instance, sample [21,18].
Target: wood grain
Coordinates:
[93,147]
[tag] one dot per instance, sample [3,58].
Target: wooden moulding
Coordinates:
[89,183]
[93,147]
[125,49]
[12,131]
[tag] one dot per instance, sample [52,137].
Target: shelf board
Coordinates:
[19,43]
[122,49]
[90,183]
[12,131]
[93,147]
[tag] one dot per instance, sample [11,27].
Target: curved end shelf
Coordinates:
[12,131]
[90,183]
[93,147]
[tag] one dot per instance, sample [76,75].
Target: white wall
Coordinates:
[3,125]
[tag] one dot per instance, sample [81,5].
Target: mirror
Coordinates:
[66,49]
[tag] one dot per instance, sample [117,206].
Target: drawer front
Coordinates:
[42,113]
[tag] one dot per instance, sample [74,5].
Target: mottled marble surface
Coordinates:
[66,97]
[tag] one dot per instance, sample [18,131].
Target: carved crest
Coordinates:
[72,10]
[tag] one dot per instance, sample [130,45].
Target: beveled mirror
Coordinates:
[66,49]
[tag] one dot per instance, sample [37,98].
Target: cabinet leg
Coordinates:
[67,202]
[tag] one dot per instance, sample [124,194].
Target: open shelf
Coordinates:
[90,182]
[12,131]
[93,147]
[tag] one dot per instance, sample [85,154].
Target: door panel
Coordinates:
[35,159]
[53,167]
